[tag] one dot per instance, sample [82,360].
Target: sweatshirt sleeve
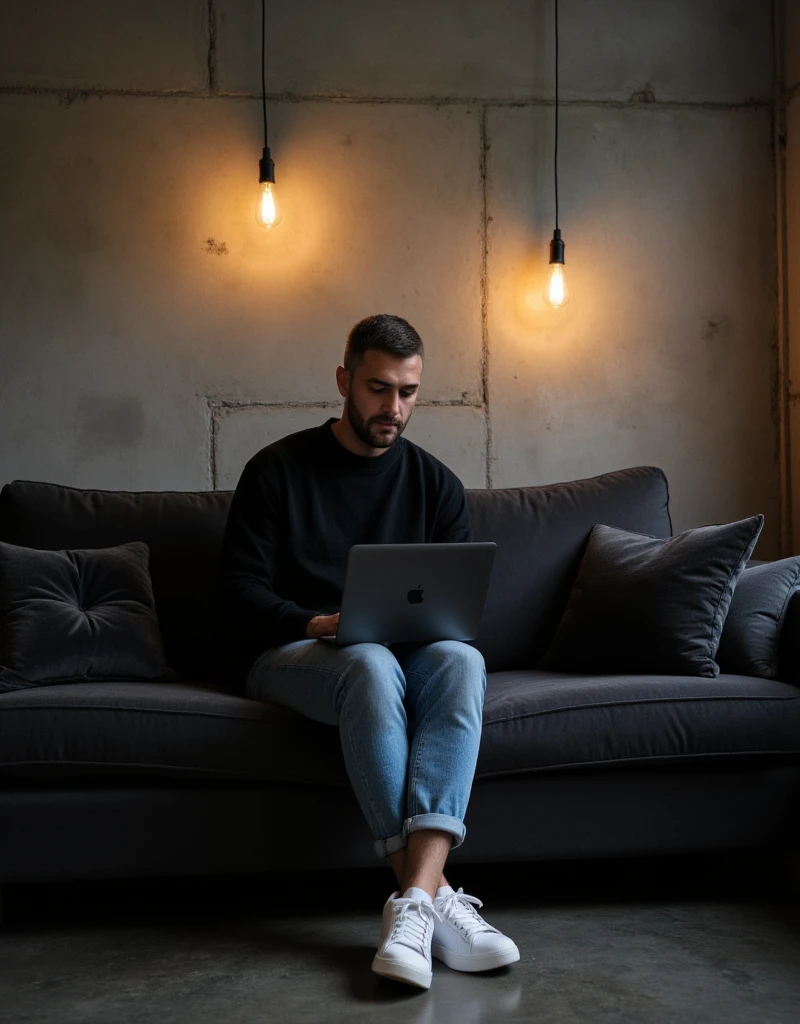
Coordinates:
[245,599]
[452,517]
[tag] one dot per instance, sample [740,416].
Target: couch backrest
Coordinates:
[541,533]
[183,528]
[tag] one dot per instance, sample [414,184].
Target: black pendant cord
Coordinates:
[555,158]
[263,83]
[266,168]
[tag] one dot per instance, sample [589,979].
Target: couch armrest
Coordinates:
[789,670]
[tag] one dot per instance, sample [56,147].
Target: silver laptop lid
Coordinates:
[414,592]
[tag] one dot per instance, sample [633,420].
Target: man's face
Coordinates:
[380,396]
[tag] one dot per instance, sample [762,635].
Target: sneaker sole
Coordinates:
[398,971]
[474,961]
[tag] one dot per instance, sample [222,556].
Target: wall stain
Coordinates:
[646,95]
[106,423]
[215,248]
[70,96]
[717,326]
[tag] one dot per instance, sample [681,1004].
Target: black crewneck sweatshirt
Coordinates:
[300,505]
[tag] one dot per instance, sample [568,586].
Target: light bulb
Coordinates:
[556,294]
[268,213]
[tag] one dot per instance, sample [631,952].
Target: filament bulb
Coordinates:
[268,212]
[556,293]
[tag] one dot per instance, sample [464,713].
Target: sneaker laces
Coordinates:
[458,908]
[412,928]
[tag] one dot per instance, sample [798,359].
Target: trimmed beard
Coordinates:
[361,426]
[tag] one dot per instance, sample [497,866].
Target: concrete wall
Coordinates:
[153,336]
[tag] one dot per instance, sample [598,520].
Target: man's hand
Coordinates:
[322,625]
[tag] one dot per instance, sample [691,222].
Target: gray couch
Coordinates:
[119,779]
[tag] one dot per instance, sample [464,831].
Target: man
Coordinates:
[409,716]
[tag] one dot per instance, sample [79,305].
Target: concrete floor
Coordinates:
[647,943]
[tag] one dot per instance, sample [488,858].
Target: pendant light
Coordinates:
[268,212]
[556,293]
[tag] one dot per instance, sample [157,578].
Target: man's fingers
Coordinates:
[322,625]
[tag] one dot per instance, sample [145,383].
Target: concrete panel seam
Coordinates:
[211,29]
[215,405]
[68,95]
[245,403]
[212,446]
[484,147]
[633,104]
[71,93]
[210,441]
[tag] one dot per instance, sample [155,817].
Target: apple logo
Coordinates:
[415,596]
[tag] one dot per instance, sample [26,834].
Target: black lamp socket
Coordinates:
[266,167]
[556,247]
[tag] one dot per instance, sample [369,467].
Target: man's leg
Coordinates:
[398,860]
[426,849]
[445,689]
[360,688]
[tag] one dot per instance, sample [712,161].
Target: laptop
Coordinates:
[419,593]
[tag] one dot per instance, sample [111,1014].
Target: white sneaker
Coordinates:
[404,947]
[463,940]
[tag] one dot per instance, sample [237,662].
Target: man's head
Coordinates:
[380,378]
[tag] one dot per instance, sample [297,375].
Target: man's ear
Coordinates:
[343,381]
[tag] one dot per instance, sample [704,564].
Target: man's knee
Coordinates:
[372,667]
[456,652]
[461,667]
[368,657]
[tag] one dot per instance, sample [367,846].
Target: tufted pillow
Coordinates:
[78,616]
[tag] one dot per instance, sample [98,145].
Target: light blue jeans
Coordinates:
[409,720]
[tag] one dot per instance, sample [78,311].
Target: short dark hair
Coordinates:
[388,333]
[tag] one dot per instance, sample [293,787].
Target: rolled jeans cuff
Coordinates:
[385,847]
[444,822]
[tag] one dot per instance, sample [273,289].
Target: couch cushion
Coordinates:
[751,637]
[543,720]
[183,530]
[533,721]
[652,604]
[541,535]
[161,729]
[77,616]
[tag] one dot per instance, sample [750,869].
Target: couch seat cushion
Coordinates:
[537,720]
[533,721]
[161,729]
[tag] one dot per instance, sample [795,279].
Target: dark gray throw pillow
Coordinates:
[750,642]
[652,604]
[77,616]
